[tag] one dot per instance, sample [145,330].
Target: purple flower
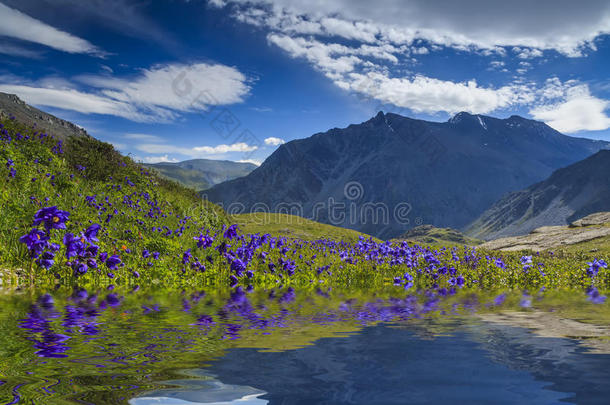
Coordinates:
[90,233]
[46,260]
[113,262]
[74,246]
[526,260]
[231,232]
[499,300]
[238,266]
[52,218]
[594,267]
[594,296]
[36,241]
[204,241]
[186,256]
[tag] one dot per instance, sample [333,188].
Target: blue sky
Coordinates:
[171,80]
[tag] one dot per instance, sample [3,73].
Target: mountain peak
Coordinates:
[459,117]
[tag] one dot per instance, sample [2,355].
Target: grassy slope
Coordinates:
[144,202]
[439,237]
[293,226]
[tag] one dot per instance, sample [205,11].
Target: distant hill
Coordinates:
[440,173]
[11,105]
[292,226]
[567,195]
[201,174]
[430,235]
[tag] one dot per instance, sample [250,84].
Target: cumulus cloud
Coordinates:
[16,24]
[197,151]
[158,94]
[429,95]
[365,50]
[577,111]
[158,159]
[253,161]
[566,27]
[273,141]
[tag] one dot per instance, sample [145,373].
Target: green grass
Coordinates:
[439,237]
[293,226]
[142,201]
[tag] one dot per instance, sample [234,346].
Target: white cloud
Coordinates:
[577,111]
[429,95]
[566,27]
[158,159]
[273,141]
[74,100]
[384,40]
[13,50]
[158,94]
[176,86]
[143,137]
[197,151]
[253,161]
[15,24]
[527,53]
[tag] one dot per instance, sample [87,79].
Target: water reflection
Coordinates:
[244,346]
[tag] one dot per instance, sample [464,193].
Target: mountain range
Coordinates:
[201,174]
[568,194]
[391,172]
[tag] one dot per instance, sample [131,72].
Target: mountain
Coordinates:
[13,106]
[201,174]
[568,194]
[392,171]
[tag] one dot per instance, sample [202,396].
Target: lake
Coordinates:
[308,346]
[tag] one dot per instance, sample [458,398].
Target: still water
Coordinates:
[312,346]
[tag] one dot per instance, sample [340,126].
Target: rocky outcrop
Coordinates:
[551,237]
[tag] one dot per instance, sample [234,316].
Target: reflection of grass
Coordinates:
[140,349]
[293,226]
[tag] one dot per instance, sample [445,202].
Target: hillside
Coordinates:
[568,194]
[107,211]
[201,174]
[292,226]
[430,235]
[13,106]
[444,174]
